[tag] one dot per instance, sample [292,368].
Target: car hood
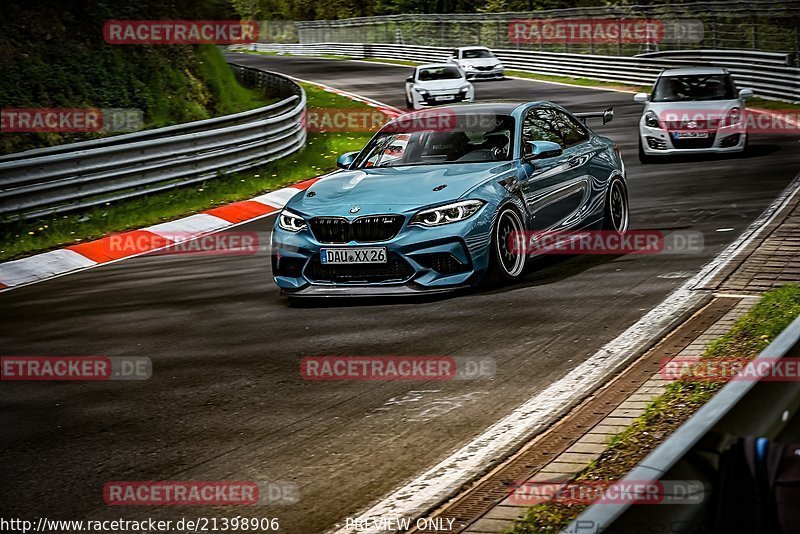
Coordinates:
[711,107]
[481,62]
[441,85]
[392,189]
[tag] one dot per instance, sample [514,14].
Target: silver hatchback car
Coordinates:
[692,110]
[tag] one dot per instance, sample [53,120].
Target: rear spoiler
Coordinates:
[607,115]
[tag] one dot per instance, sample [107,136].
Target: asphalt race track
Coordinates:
[226,400]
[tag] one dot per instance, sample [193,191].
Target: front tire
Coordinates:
[617,210]
[507,264]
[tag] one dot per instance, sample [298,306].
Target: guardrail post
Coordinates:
[797,41]
[714,32]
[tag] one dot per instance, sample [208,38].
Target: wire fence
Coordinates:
[736,24]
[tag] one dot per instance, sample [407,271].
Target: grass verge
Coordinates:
[749,336]
[581,82]
[317,157]
[761,103]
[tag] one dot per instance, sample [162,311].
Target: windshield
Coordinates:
[469,139]
[439,73]
[477,54]
[694,87]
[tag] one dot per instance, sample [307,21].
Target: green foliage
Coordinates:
[53,57]
[340,9]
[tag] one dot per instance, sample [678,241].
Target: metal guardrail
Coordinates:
[74,176]
[741,408]
[765,73]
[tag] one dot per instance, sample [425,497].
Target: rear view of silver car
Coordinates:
[692,110]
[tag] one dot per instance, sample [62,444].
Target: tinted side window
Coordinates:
[572,132]
[539,125]
[547,124]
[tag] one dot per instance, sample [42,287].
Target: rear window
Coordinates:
[694,87]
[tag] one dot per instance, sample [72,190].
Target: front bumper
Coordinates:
[435,99]
[485,74]
[419,260]
[660,142]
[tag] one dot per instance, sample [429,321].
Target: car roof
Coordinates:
[472,48]
[688,71]
[500,108]
[507,107]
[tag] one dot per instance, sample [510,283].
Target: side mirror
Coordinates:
[410,79]
[746,93]
[641,98]
[542,150]
[346,159]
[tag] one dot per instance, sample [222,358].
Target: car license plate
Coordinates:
[345,256]
[444,98]
[690,135]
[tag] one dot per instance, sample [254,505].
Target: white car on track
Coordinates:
[478,62]
[691,110]
[437,83]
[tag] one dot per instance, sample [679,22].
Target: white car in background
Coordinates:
[478,62]
[692,110]
[437,83]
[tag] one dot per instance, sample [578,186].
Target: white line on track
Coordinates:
[445,478]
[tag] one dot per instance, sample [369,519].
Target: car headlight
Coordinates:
[421,91]
[450,213]
[651,120]
[498,66]
[469,67]
[464,89]
[734,116]
[291,222]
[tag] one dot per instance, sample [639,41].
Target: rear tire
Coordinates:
[617,210]
[505,263]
